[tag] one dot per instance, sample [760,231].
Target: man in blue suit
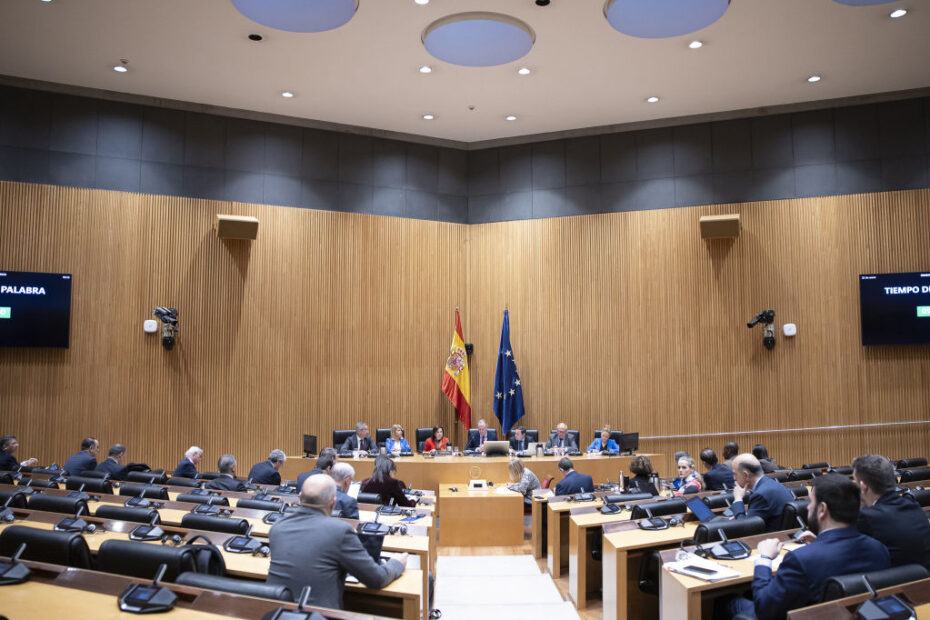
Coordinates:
[519,442]
[266,472]
[187,468]
[838,550]
[768,497]
[114,463]
[85,460]
[476,438]
[346,505]
[572,482]
[717,477]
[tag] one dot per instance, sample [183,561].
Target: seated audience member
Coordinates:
[838,550]
[361,441]
[641,482]
[324,465]
[522,480]
[730,450]
[438,441]
[477,438]
[266,472]
[85,460]
[717,477]
[897,522]
[227,479]
[572,482]
[396,442]
[768,497]
[8,462]
[384,483]
[604,443]
[688,481]
[346,505]
[310,549]
[768,464]
[561,439]
[187,467]
[113,464]
[519,441]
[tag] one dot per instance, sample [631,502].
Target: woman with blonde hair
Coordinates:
[526,481]
[604,443]
[395,442]
[688,481]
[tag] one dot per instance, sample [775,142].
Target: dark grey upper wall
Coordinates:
[83,142]
[846,150]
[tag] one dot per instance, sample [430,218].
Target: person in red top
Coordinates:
[438,441]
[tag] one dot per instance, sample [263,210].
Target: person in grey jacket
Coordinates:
[308,548]
[525,480]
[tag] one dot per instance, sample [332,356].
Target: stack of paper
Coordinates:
[698,567]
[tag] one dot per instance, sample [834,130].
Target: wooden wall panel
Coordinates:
[624,318]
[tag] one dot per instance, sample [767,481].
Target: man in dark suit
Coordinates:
[360,441]
[187,468]
[768,497]
[324,465]
[310,549]
[838,550]
[113,464]
[346,505]
[227,479]
[476,438]
[896,521]
[266,472]
[85,460]
[572,482]
[519,441]
[561,439]
[8,462]
[718,477]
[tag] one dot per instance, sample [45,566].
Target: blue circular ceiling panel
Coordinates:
[659,19]
[864,2]
[298,15]
[478,39]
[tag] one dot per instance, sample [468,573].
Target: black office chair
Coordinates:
[152,491]
[720,500]
[260,504]
[738,528]
[57,503]
[340,436]
[822,465]
[849,585]
[236,586]
[18,501]
[800,474]
[91,485]
[791,512]
[780,477]
[914,462]
[63,548]
[911,475]
[532,435]
[127,513]
[648,581]
[799,490]
[213,499]
[620,498]
[381,435]
[659,509]
[96,473]
[369,498]
[208,475]
[845,470]
[139,559]
[422,434]
[183,482]
[921,496]
[148,477]
[210,523]
[39,483]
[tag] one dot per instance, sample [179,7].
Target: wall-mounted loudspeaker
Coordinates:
[236,226]
[720,226]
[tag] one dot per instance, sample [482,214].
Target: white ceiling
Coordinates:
[585,74]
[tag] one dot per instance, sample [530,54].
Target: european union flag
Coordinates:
[508,392]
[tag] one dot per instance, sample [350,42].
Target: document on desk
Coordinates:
[413,563]
[503,490]
[700,568]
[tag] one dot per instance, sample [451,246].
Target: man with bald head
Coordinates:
[768,496]
[308,548]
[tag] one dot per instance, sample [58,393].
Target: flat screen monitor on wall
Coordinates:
[35,309]
[895,308]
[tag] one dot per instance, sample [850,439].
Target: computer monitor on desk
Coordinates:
[496,448]
[629,443]
[309,446]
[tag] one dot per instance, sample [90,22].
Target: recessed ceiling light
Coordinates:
[421,2]
[510,117]
[696,45]
[523,70]
[287,94]
[120,69]
[897,13]
[653,99]
[428,117]
[426,69]
[813,79]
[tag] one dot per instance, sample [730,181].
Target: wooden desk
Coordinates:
[584,573]
[917,592]
[480,518]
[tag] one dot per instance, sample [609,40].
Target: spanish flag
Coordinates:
[455,378]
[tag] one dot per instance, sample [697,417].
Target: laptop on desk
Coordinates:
[700,510]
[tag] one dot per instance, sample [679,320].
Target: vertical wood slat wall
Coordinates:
[625,318]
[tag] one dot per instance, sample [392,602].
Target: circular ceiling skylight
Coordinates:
[658,19]
[478,39]
[298,15]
